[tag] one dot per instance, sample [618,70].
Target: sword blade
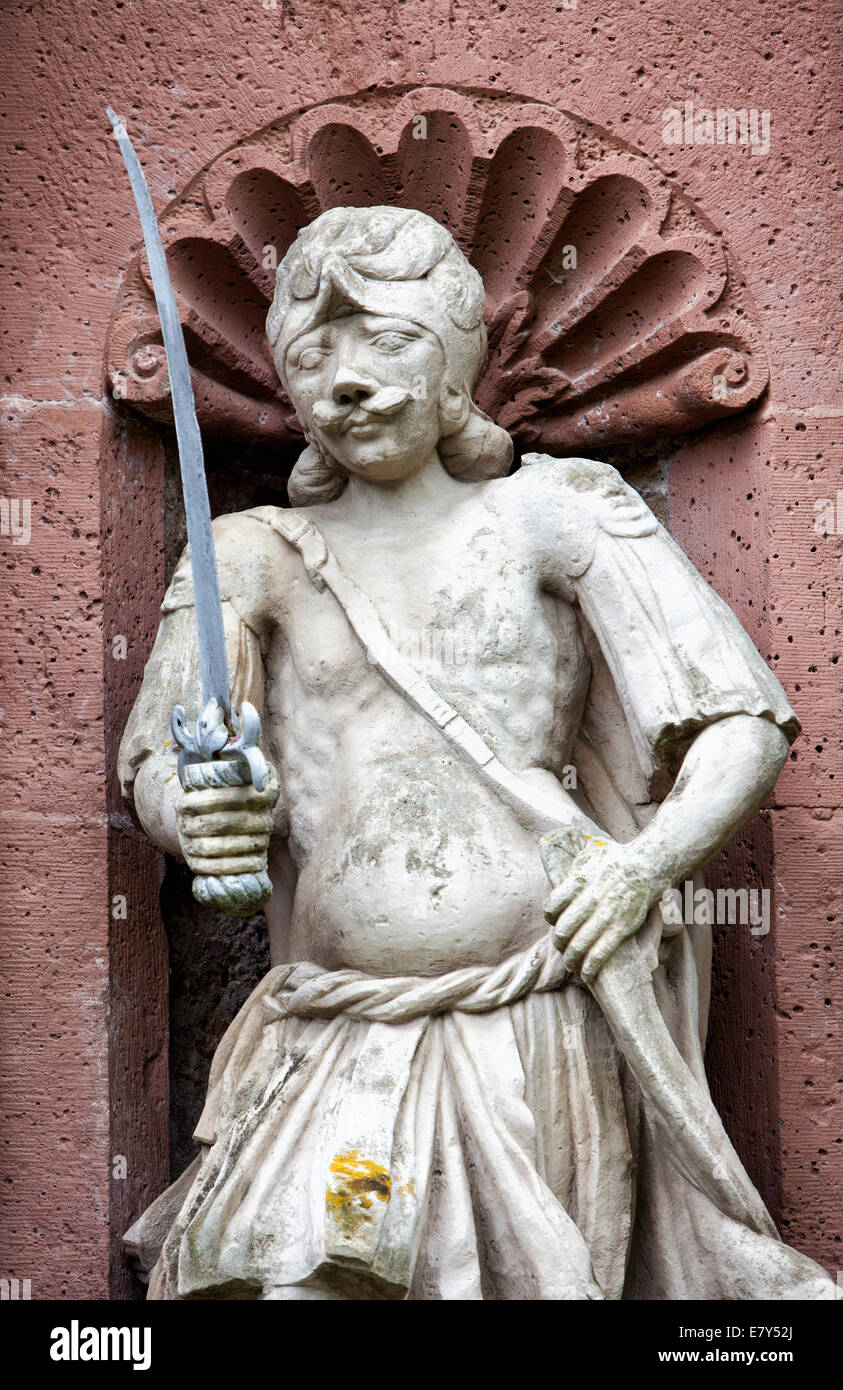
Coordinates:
[206,590]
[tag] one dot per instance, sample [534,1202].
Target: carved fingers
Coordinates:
[602,930]
[226,830]
[601,903]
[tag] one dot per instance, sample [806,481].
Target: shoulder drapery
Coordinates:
[678,657]
[670,656]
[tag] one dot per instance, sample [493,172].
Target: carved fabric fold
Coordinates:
[345,1151]
[395,1160]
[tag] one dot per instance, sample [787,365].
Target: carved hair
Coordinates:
[392,261]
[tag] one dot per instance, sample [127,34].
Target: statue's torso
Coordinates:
[406,862]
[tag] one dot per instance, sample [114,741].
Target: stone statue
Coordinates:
[424,1098]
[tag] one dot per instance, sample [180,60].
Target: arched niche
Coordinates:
[616,314]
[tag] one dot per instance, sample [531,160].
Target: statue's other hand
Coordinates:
[226,830]
[604,899]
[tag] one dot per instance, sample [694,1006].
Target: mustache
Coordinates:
[383,403]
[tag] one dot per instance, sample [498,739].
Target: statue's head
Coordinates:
[377,333]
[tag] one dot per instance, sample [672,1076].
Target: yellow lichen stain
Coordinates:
[361,1174]
[357,1180]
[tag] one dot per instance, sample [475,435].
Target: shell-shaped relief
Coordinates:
[615,313]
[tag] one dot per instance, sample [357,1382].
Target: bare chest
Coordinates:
[464,609]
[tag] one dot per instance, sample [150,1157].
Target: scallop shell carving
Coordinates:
[615,313]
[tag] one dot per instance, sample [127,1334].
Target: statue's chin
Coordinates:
[378,465]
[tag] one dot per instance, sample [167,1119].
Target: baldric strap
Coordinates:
[325,572]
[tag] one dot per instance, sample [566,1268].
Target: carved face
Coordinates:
[366,388]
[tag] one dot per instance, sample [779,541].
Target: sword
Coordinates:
[223,750]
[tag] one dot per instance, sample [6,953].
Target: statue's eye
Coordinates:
[392,341]
[309,359]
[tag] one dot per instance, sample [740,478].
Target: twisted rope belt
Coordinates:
[307,991]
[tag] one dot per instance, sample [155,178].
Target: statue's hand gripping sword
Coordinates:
[223,751]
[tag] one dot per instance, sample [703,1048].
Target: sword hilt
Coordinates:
[210,758]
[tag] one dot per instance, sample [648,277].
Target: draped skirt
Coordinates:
[455,1156]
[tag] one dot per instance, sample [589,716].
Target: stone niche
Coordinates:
[618,320]
[616,315]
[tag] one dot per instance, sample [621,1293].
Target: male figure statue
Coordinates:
[423,1098]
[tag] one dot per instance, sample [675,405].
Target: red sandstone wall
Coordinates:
[776,1046]
[190,79]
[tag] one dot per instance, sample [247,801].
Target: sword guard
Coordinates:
[212,741]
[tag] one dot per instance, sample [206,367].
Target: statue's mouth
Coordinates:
[362,429]
[348,418]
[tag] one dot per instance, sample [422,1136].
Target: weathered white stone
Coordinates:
[428,1095]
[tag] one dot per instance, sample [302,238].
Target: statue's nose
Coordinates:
[349,387]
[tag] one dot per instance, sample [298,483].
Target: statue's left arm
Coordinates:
[726,776]
[704,711]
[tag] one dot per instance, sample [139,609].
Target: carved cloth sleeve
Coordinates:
[668,655]
[678,656]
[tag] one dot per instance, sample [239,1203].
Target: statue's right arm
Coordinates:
[148,753]
[147,762]
[152,784]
